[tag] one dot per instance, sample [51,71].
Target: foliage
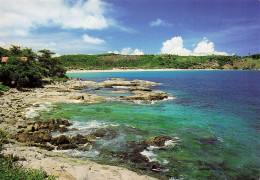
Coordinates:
[10,170]
[53,66]
[3,88]
[18,73]
[109,61]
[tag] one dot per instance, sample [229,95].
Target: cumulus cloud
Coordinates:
[206,48]
[138,52]
[128,51]
[19,17]
[160,22]
[92,40]
[175,46]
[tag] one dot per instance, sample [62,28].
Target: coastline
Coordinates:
[135,70]
[30,155]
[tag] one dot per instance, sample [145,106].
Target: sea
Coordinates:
[214,113]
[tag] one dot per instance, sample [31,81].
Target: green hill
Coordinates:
[110,61]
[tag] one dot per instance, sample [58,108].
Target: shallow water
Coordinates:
[214,113]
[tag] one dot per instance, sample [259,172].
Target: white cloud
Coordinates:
[160,22]
[92,40]
[20,17]
[206,48]
[114,52]
[175,46]
[138,52]
[128,51]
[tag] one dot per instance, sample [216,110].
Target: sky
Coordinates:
[181,27]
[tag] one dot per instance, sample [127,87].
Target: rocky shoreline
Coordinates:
[32,143]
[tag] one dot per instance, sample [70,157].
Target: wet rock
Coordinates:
[62,139]
[157,140]
[138,158]
[79,139]
[107,133]
[63,129]
[142,95]
[49,121]
[66,146]
[63,122]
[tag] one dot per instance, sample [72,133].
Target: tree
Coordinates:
[18,73]
[31,56]
[15,50]
[53,66]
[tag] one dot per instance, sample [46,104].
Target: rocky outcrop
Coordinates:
[120,82]
[147,95]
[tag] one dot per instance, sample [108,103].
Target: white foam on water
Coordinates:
[94,124]
[150,155]
[37,109]
[150,148]
[165,161]
[170,143]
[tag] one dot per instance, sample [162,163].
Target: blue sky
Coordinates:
[183,27]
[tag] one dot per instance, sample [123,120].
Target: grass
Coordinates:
[3,88]
[10,170]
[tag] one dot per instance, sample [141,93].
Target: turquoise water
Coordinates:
[214,113]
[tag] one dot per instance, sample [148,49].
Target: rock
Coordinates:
[66,146]
[79,139]
[62,139]
[63,122]
[157,140]
[140,88]
[30,128]
[63,129]
[142,95]
[12,122]
[138,158]
[36,127]
[23,137]
[49,121]
[107,133]
[41,137]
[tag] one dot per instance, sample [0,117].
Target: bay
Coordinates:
[214,113]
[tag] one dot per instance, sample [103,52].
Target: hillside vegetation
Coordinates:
[110,61]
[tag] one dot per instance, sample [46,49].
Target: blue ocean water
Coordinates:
[216,114]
